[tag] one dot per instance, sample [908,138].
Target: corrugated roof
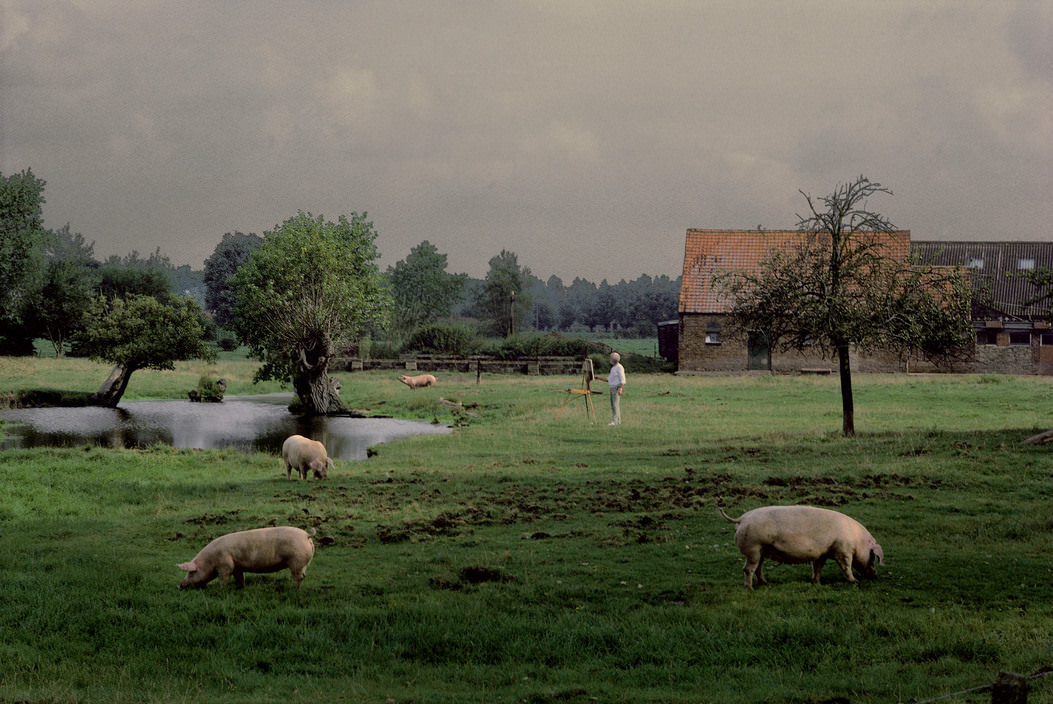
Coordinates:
[996,270]
[708,253]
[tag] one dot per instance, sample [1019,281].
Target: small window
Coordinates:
[976,263]
[712,333]
[1022,337]
[1047,339]
[1025,264]
[987,337]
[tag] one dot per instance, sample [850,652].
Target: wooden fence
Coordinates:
[475,364]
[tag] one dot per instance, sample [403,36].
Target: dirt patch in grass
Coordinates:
[642,510]
[470,576]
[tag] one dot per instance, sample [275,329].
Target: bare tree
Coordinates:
[848,284]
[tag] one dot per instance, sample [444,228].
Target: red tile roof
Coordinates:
[709,252]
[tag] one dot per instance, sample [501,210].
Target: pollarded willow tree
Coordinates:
[847,286]
[308,291]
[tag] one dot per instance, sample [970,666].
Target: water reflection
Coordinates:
[247,423]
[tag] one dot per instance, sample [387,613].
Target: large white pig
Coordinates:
[305,454]
[257,550]
[795,534]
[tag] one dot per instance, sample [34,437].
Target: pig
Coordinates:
[796,534]
[305,454]
[258,550]
[418,382]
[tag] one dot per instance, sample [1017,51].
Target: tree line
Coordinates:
[296,296]
[510,299]
[312,288]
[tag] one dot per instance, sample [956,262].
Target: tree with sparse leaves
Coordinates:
[842,288]
[310,290]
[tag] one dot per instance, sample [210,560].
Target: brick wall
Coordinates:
[696,355]
[732,354]
[1007,359]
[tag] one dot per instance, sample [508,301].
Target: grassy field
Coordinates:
[534,558]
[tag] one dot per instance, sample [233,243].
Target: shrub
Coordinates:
[550,345]
[444,339]
[227,342]
[209,390]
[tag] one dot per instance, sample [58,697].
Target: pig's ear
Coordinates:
[188,566]
[877,556]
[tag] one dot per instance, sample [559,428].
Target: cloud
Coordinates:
[586,136]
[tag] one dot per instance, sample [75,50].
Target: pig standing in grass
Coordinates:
[421,381]
[305,454]
[259,550]
[795,534]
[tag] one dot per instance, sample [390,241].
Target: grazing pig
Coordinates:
[795,534]
[305,454]
[418,382]
[258,550]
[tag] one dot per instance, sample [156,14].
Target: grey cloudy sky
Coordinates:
[586,136]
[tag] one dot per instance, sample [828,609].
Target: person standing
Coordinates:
[616,382]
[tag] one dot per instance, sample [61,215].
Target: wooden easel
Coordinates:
[587,375]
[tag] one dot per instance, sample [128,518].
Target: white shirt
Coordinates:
[617,376]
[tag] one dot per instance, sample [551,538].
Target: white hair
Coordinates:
[616,357]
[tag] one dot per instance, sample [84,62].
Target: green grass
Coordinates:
[73,377]
[532,558]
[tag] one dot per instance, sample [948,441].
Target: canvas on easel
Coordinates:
[587,375]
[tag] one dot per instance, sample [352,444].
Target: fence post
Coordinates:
[1009,689]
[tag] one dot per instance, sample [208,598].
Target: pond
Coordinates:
[246,423]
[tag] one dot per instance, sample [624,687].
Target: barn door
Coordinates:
[759,351]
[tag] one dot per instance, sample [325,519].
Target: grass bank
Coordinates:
[530,557]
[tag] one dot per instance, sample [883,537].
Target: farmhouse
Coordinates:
[1012,337]
[703,343]
[1013,334]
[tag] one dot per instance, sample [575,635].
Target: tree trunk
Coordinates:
[319,394]
[848,425]
[111,391]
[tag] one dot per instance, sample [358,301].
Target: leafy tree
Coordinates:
[651,300]
[421,288]
[68,246]
[190,283]
[231,252]
[566,315]
[604,307]
[141,332]
[580,295]
[57,307]
[22,242]
[1041,279]
[504,300]
[310,289]
[842,287]
[119,277]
